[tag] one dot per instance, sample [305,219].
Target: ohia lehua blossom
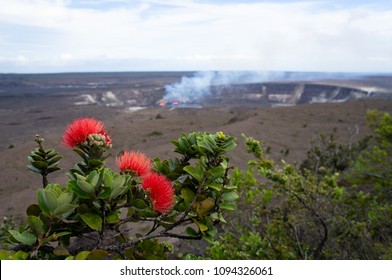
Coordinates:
[86,132]
[134,162]
[161,192]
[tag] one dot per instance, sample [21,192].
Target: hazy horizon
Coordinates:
[327,73]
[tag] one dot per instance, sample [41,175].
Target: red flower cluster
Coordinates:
[161,192]
[134,161]
[78,131]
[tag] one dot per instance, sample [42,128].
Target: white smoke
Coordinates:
[110,99]
[199,85]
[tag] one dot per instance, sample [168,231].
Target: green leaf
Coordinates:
[24,237]
[34,169]
[212,231]
[229,196]
[195,172]
[191,232]
[107,179]
[210,239]
[105,193]
[47,200]
[72,186]
[229,145]
[221,218]
[113,218]
[61,251]
[82,255]
[139,204]
[118,191]
[55,188]
[36,225]
[65,198]
[46,219]
[33,210]
[187,194]
[97,255]
[214,216]
[64,209]
[52,169]
[85,187]
[39,164]
[93,220]
[93,178]
[130,211]
[97,205]
[95,163]
[217,187]
[201,226]
[207,144]
[224,164]
[202,207]
[54,160]
[81,154]
[50,152]
[20,255]
[63,233]
[35,157]
[119,181]
[227,206]
[216,172]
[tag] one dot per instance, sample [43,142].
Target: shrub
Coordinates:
[286,213]
[97,214]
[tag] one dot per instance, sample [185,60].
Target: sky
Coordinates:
[47,36]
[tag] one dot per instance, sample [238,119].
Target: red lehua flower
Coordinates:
[134,161]
[161,192]
[78,131]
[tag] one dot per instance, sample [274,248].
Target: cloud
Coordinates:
[195,35]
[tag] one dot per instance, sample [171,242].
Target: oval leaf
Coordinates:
[113,218]
[93,220]
[201,226]
[229,196]
[187,194]
[34,169]
[98,255]
[94,178]
[47,201]
[64,209]
[139,204]
[65,198]
[39,164]
[227,206]
[33,210]
[195,172]
[191,232]
[36,225]
[60,251]
[85,187]
[105,193]
[82,255]
[24,237]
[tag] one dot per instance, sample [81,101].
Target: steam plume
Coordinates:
[198,86]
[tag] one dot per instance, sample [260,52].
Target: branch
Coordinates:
[319,248]
[180,221]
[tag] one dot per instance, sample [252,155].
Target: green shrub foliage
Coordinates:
[314,213]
